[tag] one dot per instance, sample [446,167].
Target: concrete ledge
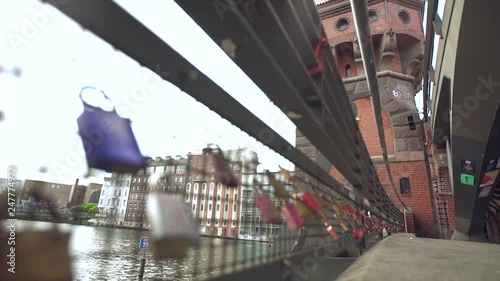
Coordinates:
[406,257]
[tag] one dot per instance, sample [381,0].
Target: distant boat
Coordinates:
[251,237]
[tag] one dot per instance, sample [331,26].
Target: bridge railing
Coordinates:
[281,46]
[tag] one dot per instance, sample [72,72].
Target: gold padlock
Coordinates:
[344,225]
[286,174]
[338,210]
[279,190]
[302,209]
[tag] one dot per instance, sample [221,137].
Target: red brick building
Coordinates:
[397,37]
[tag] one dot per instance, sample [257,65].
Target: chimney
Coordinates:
[72,194]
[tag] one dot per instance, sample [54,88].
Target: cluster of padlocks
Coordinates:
[301,205]
[173,226]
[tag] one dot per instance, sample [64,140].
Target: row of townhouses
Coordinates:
[220,210]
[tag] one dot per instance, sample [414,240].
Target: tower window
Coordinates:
[404,17]
[404,185]
[348,70]
[411,123]
[372,15]
[342,24]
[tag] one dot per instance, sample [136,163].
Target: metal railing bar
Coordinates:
[339,89]
[360,13]
[219,30]
[110,22]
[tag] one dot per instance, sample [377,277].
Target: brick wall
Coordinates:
[382,24]
[418,200]
[403,144]
[410,222]
[368,128]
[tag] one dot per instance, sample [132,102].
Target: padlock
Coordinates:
[363,229]
[279,190]
[348,208]
[173,227]
[267,209]
[311,201]
[357,215]
[223,173]
[344,226]
[108,139]
[291,216]
[286,174]
[348,237]
[331,231]
[302,209]
[357,233]
[338,210]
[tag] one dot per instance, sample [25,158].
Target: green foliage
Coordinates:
[89,208]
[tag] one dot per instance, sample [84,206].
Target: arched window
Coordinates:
[348,70]
[219,186]
[188,187]
[211,186]
[204,186]
[195,187]
[404,185]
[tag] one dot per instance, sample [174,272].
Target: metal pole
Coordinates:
[360,12]
[406,225]
[429,181]
[429,43]
[143,265]
[450,162]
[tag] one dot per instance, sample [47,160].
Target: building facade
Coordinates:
[217,207]
[397,36]
[18,186]
[93,193]
[57,192]
[113,199]
[252,225]
[152,179]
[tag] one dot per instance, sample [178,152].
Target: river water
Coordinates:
[113,254]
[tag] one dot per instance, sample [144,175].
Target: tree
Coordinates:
[86,209]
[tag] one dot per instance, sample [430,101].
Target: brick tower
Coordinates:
[397,37]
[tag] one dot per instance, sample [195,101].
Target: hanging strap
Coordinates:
[87,105]
[318,52]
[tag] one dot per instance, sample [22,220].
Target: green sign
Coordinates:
[467,179]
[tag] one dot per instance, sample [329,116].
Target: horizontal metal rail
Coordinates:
[112,23]
[266,51]
[310,15]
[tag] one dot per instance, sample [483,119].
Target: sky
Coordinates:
[58,58]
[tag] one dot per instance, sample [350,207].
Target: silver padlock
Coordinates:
[173,227]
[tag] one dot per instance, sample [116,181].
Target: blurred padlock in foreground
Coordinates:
[173,227]
[107,138]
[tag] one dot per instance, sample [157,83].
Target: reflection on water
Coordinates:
[113,254]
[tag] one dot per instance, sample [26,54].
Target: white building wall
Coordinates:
[114,198]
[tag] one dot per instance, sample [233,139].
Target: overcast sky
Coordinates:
[58,58]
